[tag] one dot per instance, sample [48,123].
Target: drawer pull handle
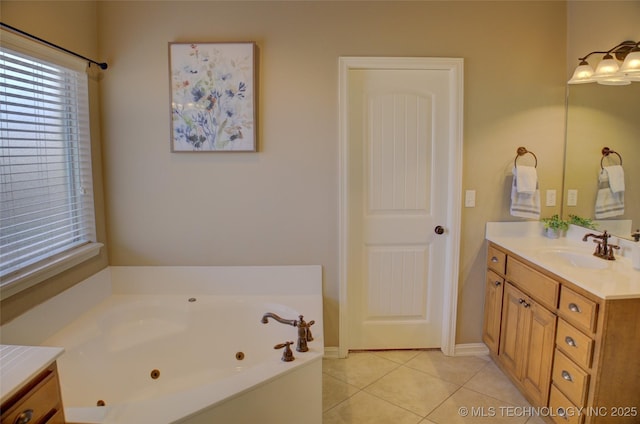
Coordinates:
[563,413]
[497,283]
[568,340]
[574,308]
[566,375]
[494,260]
[24,417]
[524,303]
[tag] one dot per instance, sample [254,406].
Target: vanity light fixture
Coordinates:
[620,65]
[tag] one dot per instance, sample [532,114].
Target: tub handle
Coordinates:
[306,326]
[287,354]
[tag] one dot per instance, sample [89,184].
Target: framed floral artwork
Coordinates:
[212,97]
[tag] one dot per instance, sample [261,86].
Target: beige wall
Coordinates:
[72,25]
[279,206]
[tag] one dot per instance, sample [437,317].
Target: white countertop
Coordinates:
[19,364]
[618,279]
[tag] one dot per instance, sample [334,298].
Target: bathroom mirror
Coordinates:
[601,116]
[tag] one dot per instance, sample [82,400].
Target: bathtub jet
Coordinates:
[304,330]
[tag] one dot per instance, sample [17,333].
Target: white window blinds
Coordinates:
[46,190]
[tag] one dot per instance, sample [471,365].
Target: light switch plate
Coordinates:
[551,198]
[572,197]
[470,199]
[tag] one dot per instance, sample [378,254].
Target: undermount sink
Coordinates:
[577,259]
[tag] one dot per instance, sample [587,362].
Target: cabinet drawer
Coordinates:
[570,379]
[535,284]
[563,410]
[496,260]
[40,403]
[576,345]
[578,310]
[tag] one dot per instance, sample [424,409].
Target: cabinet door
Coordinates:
[515,319]
[539,339]
[494,288]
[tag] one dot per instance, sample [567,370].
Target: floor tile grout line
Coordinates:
[440,404]
[384,375]
[417,352]
[341,380]
[394,404]
[475,391]
[422,417]
[499,400]
[439,377]
[398,365]
[364,389]
[368,385]
[341,402]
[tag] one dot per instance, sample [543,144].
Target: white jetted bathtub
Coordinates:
[184,345]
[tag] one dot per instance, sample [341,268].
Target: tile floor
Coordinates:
[420,387]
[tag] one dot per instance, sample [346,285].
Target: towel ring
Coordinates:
[606,152]
[523,151]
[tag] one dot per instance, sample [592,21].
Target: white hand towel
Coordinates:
[527,179]
[616,178]
[608,203]
[525,205]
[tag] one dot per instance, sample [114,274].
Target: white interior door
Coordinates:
[398,191]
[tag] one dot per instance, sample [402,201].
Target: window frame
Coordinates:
[55,263]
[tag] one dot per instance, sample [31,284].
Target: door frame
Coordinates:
[454,66]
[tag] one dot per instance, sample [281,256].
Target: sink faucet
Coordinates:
[304,330]
[604,250]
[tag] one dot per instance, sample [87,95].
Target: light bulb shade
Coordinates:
[607,68]
[631,64]
[583,74]
[614,81]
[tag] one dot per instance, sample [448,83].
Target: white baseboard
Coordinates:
[471,349]
[467,349]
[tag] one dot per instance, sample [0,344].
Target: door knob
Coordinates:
[439,229]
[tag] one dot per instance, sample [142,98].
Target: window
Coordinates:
[47,219]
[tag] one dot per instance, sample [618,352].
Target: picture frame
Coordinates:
[213,97]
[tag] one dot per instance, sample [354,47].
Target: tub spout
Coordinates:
[265,319]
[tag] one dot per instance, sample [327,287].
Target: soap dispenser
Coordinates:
[635,252]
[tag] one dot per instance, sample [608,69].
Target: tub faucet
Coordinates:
[604,250]
[304,330]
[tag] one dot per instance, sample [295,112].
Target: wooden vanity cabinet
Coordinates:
[563,346]
[527,339]
[38,402]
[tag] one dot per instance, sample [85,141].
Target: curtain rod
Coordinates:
[102,65]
